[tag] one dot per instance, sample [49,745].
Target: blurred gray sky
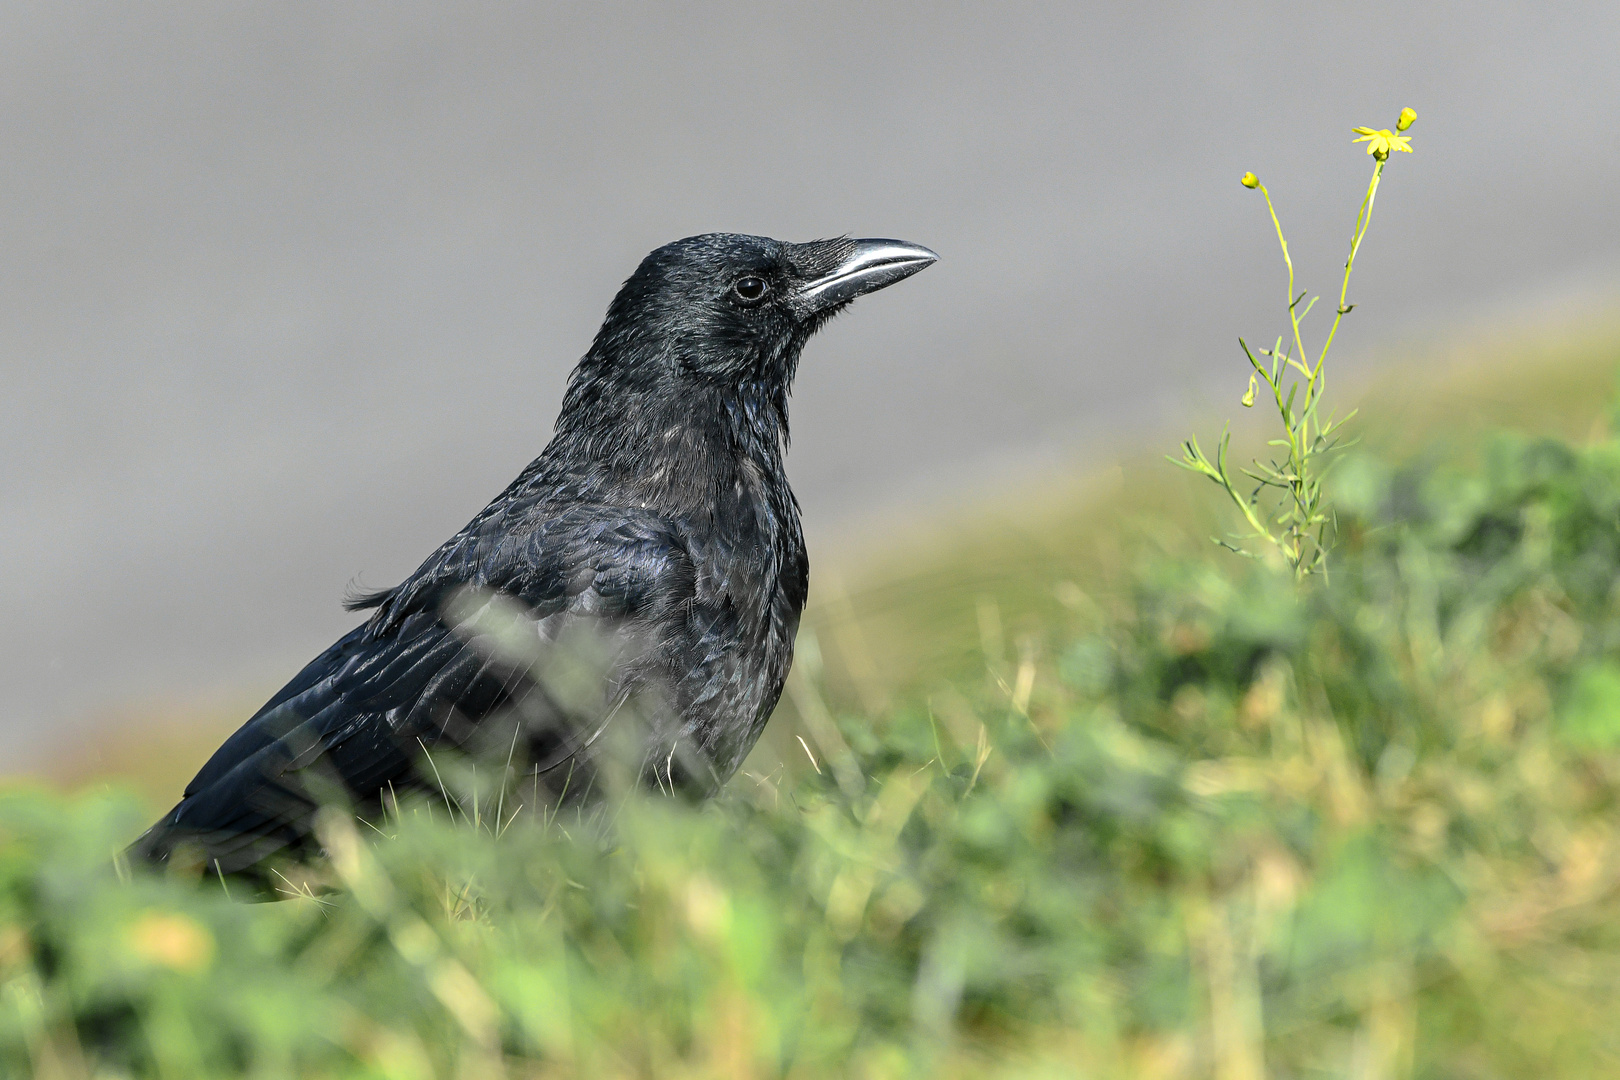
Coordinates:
[290,290]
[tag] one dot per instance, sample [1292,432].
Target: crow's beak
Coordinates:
[873,265]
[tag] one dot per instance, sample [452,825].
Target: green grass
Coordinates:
[1078,794]
[910,612]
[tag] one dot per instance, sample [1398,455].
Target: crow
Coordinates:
[654,545]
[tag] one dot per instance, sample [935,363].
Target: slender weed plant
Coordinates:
[1284,511]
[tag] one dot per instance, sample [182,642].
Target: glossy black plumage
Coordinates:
[657,527]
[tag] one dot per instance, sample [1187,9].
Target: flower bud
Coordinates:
[1250,180]
[1248,398]
[1407,116]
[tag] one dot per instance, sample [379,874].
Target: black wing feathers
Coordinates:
[353,719]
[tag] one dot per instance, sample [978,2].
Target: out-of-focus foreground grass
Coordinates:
[1090,797]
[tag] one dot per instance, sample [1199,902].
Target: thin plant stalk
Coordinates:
[1296,525]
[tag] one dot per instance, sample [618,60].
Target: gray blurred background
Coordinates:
[290,290]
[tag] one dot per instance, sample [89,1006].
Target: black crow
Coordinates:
[655,535]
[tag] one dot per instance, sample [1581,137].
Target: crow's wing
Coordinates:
[420,673]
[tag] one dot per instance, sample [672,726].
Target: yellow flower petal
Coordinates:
[1381,141]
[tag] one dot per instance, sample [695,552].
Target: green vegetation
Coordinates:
[1300,459]
[1067,803]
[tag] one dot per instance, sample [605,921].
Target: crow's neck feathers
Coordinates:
[669,434]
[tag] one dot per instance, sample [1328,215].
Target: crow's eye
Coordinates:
[750,289]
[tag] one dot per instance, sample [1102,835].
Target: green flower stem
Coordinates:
[1363,219]
[1293,301]
[1196,461]
[1295,476]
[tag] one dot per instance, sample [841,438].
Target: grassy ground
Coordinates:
[1065,791]
[924,604]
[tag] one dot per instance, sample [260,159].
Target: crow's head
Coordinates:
[731,311]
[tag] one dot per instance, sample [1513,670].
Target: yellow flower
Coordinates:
[1407,116]
[1382,141]
[1249,180]
[1248,398]
[172,940]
